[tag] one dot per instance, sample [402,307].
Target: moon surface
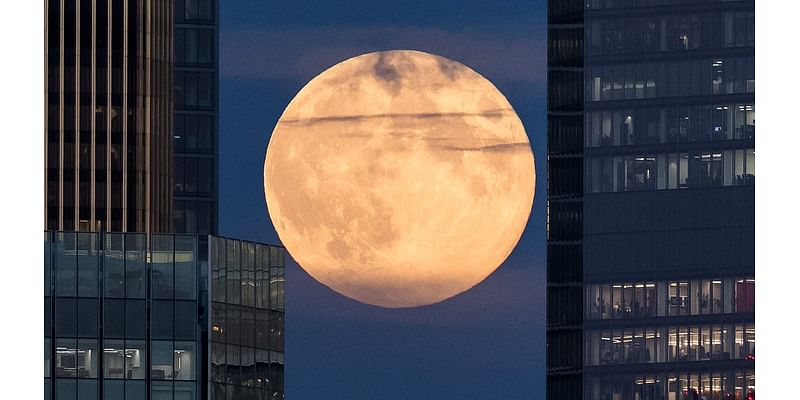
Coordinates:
[399,178]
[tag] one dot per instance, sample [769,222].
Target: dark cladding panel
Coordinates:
[660,254]
[678,232]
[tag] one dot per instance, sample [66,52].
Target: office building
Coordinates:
[651,162]
[130,316]
[108,115]
[140,302]
[195,116]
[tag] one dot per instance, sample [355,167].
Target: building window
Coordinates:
[710,297]
[746,342]
[161,390]
[66,359]
[162,264]
[87,358]
[184,361]
[745,295]
[113,359]
[671,78]
[658,344]
[135,279]
[185,267]
[135,359]
[162,360]
[678,298]
[622,300]
[648,172]
[66,264]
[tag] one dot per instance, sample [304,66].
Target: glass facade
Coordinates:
[195,116]
[247,320]
[565,107]
[651,156]
[107,115]
[128,316]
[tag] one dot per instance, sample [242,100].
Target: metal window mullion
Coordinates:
[100,291]
[61,116]
[125,117]
[147,100]
[109,145]
[92,126]
[47,112]
[77,117]
[148,312]
[51,255]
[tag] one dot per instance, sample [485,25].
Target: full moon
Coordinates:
[399,178]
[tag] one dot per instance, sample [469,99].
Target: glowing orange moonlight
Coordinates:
[399,178]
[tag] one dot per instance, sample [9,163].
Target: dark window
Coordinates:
[162,358]
[205,129]
[135,319]
[185,390]
[248,366]
[190,46]
[66,389]
[190,128]
[66,317]
[205,46]
[114,266]
[190,175]
[190,87]
[87,264]
[186,320]
[262,329]
[113,389]
[114,318]
[135,270]
[162,280]
[87,317]
[185,267]
[205,175]
[205,89]
[233,322]
[48,315]
[217,362]
[247,327]
[205,10]
[233,364]
[218,326]
[135,390]
[745,295]
[66,264]
[178,84]
[204,217]
[161,391]
[161,319]
[276,331]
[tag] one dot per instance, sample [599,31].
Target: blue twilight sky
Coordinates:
[487,343]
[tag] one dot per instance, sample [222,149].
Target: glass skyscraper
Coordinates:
[131,115]
[141,303]
[108,115]
[651,147]
[195,116]
[130,316]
